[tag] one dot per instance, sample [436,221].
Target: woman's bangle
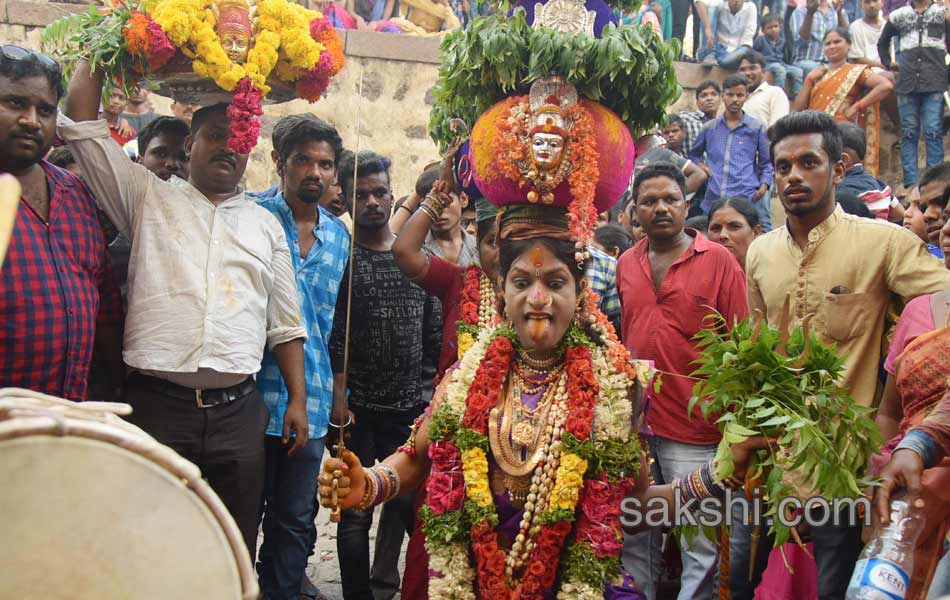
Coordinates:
[699,485]
[366,502]
[409,210]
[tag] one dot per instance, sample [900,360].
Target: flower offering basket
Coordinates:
[242,52]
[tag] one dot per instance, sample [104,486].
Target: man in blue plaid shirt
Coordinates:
[307,153]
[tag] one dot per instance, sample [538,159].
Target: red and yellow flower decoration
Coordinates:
[297,45]
[598,463]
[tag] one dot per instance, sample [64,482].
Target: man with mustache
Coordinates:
[845,271]
[58,297]
[210,283]
[669,283]
[307,156]
[395,335]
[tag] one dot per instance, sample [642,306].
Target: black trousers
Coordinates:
[375,435]
[226,442]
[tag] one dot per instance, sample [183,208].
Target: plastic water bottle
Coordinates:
[884,568]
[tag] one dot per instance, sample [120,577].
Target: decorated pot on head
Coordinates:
[551,148]
[208,51]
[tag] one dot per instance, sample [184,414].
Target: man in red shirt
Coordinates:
[669,283]
[57,292]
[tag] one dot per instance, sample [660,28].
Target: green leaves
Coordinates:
[755,390]
[628,69]
[94,35]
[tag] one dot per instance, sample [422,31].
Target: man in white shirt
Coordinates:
[210,281]
[766,103]
[734,29]
[865,32]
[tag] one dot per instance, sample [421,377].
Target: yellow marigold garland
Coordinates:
[475,469]
[568,482]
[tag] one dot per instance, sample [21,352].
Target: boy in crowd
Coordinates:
[675,134]
[772,46]
[708,99]
[112,111]
[872,191]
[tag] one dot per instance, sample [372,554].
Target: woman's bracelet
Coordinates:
[409,210]
[369,493]
[699,485]
[382,484]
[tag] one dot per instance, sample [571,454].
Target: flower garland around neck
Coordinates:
[299,43]
[476,309]
[580,162]
[591,467]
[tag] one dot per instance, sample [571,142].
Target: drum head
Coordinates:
[84,518]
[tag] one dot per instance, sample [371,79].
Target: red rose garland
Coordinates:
[471,296]
[483,395]
[244,112]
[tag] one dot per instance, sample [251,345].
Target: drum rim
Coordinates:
[66,418]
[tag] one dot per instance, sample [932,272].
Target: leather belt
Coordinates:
[202,398]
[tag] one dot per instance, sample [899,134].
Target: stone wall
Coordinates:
[396,74]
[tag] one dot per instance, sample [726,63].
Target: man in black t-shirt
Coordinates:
[395,337]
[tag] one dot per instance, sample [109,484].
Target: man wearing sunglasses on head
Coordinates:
[58,298]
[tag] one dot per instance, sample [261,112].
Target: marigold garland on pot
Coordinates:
[294,41]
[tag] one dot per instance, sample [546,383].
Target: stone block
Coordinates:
[12,34]
[39,14]
[388,46]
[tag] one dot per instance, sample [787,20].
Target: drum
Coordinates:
[93,507]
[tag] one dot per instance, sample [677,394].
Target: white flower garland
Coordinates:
[457,581]
[613,409]
[579,591]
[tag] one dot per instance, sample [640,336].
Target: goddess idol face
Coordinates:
[234,29]
[236,44]
[547,150]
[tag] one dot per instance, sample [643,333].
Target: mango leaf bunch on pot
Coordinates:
[783,383]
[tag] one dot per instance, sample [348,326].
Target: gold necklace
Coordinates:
[539,365]
[538,437]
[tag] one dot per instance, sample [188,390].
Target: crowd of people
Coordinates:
[247,330]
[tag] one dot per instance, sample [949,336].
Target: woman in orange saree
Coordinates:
[847,92]
[918,366]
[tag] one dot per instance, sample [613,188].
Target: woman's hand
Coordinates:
[349,478]
[816,74]
[903,471]
[851,112]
